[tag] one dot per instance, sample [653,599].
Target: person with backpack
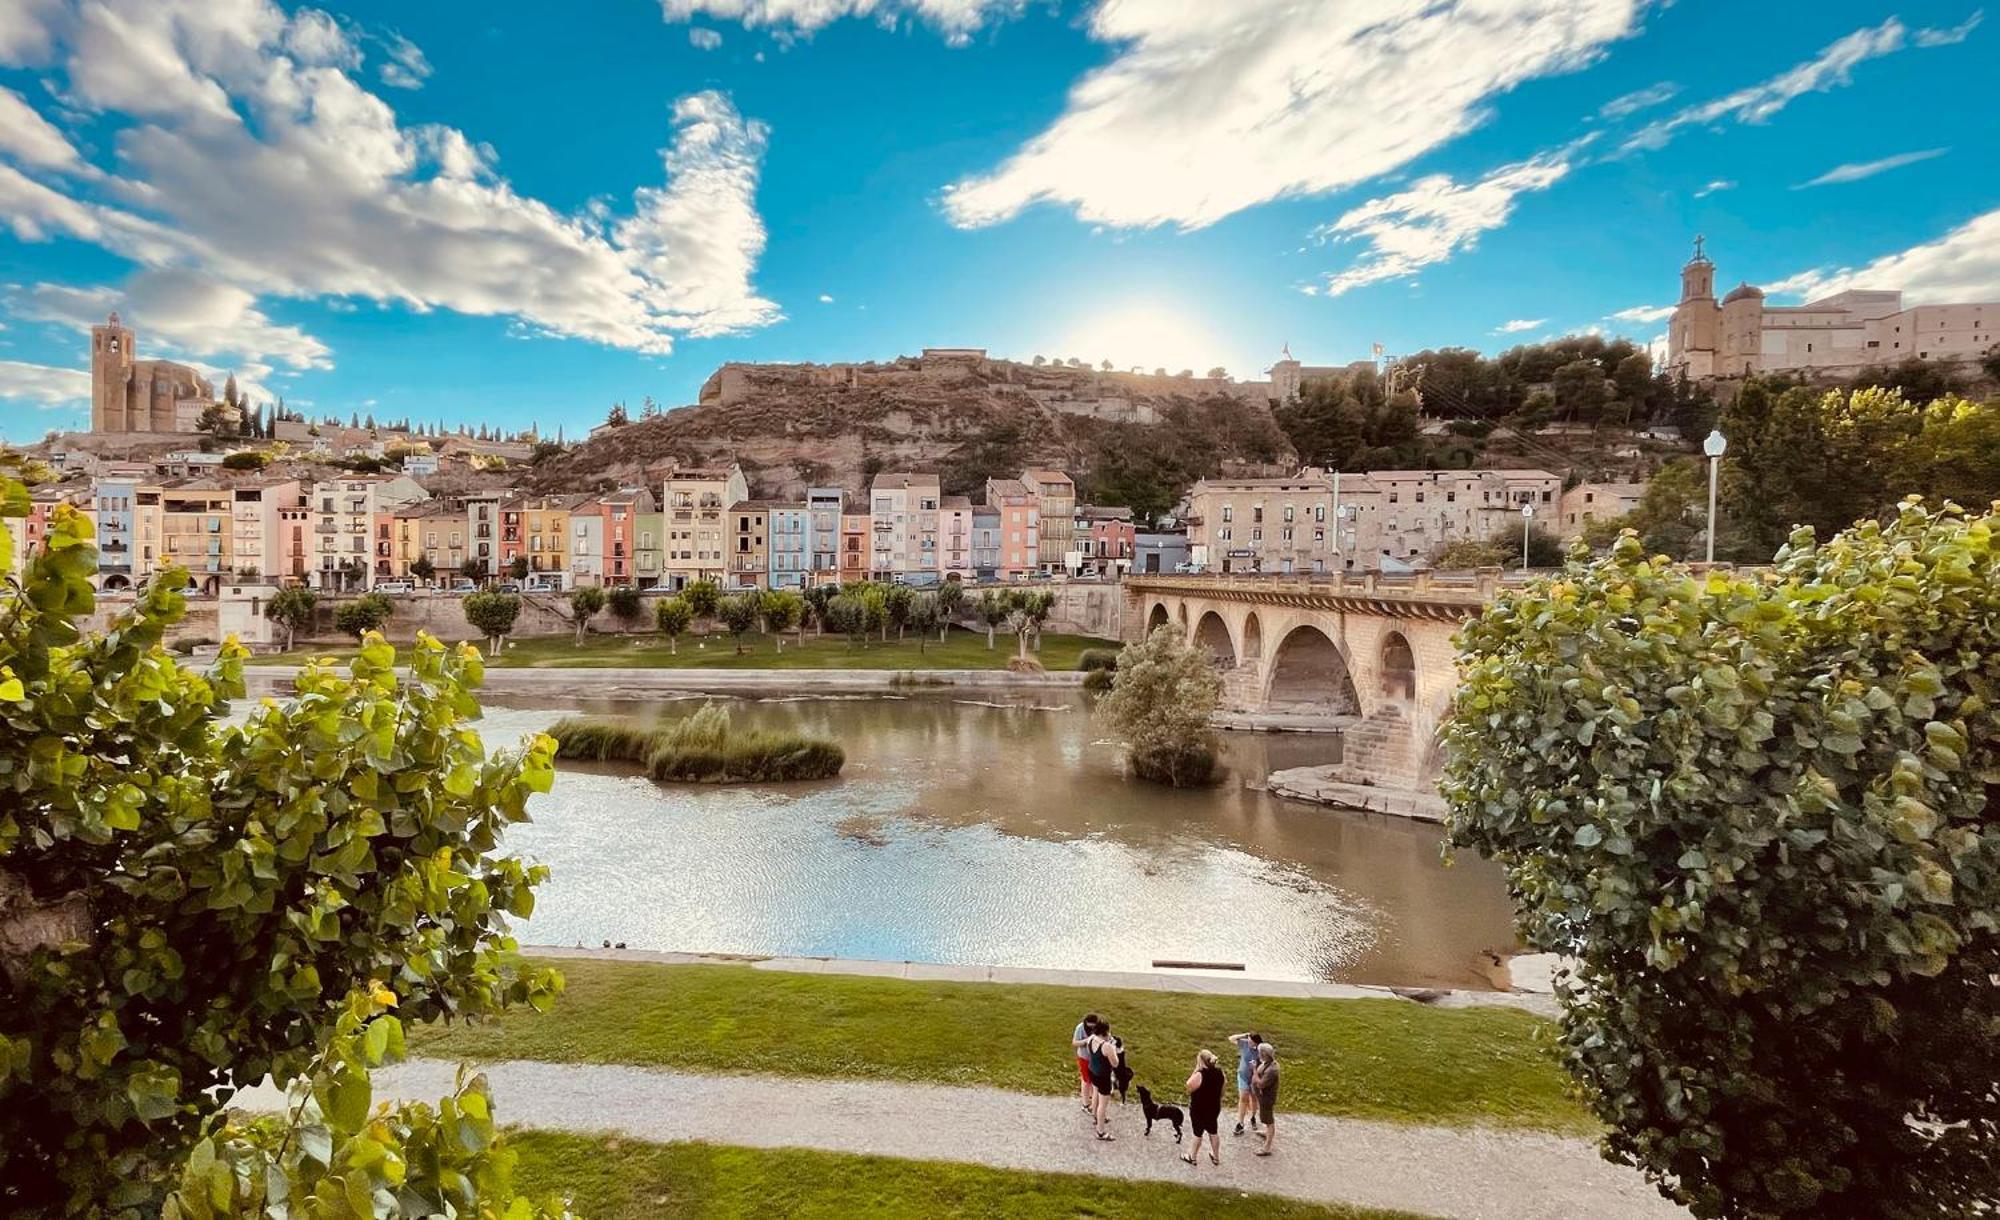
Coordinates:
[1080,1043]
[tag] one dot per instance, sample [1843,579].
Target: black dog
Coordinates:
[1121,1076]
[1159,1113]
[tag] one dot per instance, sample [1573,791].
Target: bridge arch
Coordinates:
[1309,673]
[1399,668]
[1211,634]
[1158,617]
[1252,648]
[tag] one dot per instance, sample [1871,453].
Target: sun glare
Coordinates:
[1147,335]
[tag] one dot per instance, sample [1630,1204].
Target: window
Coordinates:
[1420,497]
[1256,533]
[1392,497]
[1451,497]
[1227,513]
[1257,514]
[1288,515]
[1319,512]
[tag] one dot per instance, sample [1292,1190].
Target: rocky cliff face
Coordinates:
[797,426]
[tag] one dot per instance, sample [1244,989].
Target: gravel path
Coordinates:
[1473,1173]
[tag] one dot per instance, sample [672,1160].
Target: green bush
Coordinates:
[1098,681]
[1097,658]
[699,749]
[1183,767]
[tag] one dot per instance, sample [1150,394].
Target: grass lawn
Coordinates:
[960,650]
[608,1178]
[1389,1060]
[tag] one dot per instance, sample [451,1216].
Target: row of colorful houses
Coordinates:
[699,523]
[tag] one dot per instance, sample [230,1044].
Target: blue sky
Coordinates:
[514,212]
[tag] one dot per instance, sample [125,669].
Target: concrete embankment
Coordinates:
[1323,786]
[612,683]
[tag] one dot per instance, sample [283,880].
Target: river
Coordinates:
[997,829]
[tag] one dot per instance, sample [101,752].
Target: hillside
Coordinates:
[794,426]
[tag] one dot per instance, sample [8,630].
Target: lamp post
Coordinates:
[1527,519]
[1714,447]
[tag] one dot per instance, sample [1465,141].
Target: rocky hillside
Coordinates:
[795,431]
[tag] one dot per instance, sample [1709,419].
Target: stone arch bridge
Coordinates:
[1367,656]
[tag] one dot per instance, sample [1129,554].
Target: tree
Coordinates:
[472,569]
[1581,390]
[1633,379]
[362,615]
[217,420]
[1467,553]
[857,614]
[1161,698]
[674,616]
[625,603]
[1030,609]
[1990,362]
[517,567]
[292,608]
[492,615]
[1758,815]
[245,459]
[783,610]
[951,600]
[193,903]
[896,601]
[616,417]
[1218,373]
[994,607]
[584,601]
[702,596]
[924,615]
[817,597]
[422,568]
[739,613]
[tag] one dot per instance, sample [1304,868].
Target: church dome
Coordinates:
[1743,292]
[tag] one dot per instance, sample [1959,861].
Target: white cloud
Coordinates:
[1644,313]
[244,162]
[183,310]
[406,66]
[1518,325]
[1952,36]
[26,31]
[1434,219]
[1718,184]
[956,19]
[704,39]
[43,384]
[1632,103]
[826,298]
[1831,68]
[1961,267]
[1207,109]
[31,139]
[1855,172]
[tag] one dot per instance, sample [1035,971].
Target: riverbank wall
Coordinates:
[616,683]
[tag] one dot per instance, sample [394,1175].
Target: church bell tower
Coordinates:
[111,359]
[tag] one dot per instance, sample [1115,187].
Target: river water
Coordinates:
[1002,830]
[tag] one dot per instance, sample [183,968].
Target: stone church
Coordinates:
[128,394]
[1836,335]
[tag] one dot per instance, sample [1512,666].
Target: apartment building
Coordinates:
[955,537]
[586,542]
[854,547]
[254,524]
[749,544]
[113,496]
[985,542]
[622,511]
[196,531]
[399,543]
[1020,527]
[790,546]
[1263,524]
[826,506]
[1055,503]
[536,529]
[442,526]
[695,501]
[344,525]
[482,532]
[903,512]
[649,526]
[1422,511]
[1588,502]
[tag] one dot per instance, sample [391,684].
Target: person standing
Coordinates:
[1264,1081]
[1204,1089]
[1103,1062]
[1246,1060]
[1080,1043]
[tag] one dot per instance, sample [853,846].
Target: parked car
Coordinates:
[394,588]
[509,586]
[460,588]
[544,584]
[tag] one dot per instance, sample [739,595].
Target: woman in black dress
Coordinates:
[1205,1106]
[1103,1051]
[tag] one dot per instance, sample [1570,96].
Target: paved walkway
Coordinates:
[1469,1173]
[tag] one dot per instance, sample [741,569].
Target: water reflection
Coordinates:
[998,830]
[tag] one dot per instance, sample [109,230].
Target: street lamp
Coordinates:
[1527,519]
[1714,447]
